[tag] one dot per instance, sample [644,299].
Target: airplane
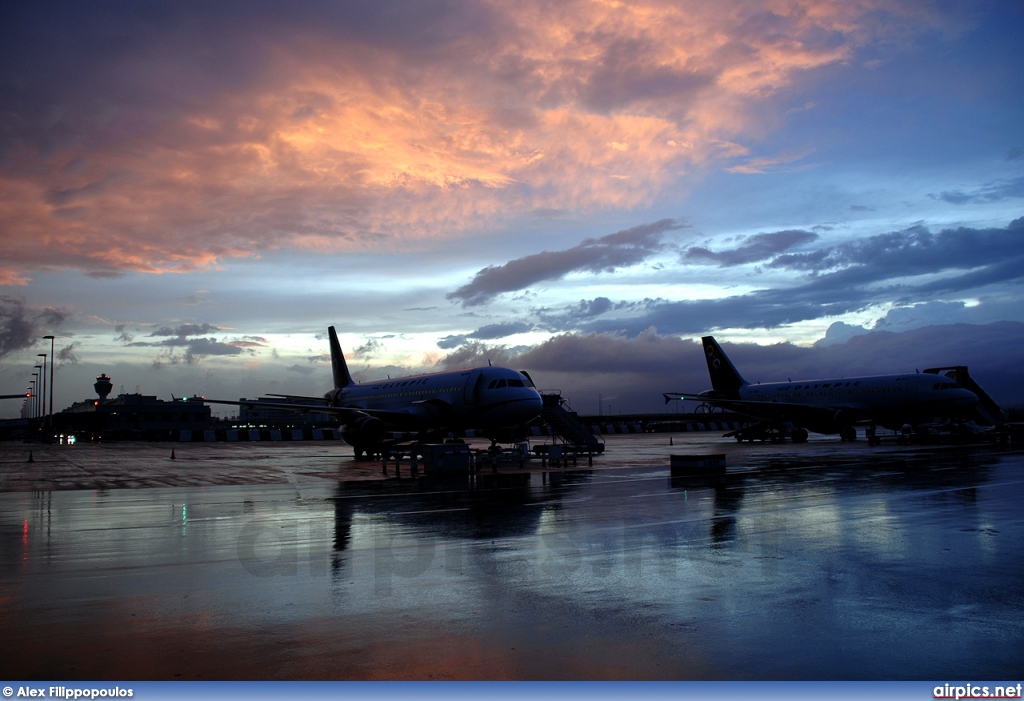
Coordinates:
[492,399]
[833,405]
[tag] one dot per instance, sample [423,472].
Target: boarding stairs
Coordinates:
[565,423]
[987,413]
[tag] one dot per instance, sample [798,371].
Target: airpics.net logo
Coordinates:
[977,691]
[386,557]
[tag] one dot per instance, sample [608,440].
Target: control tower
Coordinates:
[103,386]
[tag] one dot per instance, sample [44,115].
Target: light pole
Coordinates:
[42,392]
[39,386]
[35,394]
[52,356]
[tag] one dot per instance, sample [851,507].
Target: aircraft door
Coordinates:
[471,390]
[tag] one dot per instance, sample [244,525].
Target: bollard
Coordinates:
[30,458]
[172,454]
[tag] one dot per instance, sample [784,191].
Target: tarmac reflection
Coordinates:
[818,561]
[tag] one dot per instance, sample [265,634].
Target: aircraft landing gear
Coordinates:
[848,433]
[798,435]
[872,438]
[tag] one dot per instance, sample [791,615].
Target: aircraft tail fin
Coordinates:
[342,378]
[724,376]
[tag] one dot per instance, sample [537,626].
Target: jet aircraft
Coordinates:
[492,399]
[834,405]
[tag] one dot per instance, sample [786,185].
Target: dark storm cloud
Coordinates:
[17,330]
[621,249]
[754,249]
[475,355]
[369,349]
[633,372]
[607,353]
[991,192]
[22,327]
[185,330]
[583,312]
[840,279]
[915,251]
[67,354]
[493,331]
[485,333]
[210,346]
[453,341]
[196,348]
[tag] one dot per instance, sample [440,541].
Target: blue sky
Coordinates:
[190,193]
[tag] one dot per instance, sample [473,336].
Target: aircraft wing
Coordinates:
[400,417]
[775,411]
[287,406]
[297,396]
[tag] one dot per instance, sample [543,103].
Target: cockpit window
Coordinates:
[498,384]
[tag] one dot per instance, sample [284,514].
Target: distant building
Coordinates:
[131,416]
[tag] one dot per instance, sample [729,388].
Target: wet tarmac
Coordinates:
[291,561]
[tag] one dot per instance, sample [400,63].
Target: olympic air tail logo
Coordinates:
[714,362]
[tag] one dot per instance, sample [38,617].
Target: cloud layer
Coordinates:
[631,373]
[174,136]
[606,254]
[902,268]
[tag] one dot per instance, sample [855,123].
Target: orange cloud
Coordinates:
[343,144]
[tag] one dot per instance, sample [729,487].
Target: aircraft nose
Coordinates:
[967,399]
[534,403]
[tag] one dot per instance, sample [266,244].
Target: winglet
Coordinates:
[342,378]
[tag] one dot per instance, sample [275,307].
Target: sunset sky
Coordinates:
[191,192]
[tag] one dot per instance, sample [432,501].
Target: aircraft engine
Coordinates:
[363,430]
[829,424]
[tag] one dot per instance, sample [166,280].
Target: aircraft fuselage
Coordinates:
[889,400]
[483,398]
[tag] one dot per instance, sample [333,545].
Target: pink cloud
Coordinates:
[324,140]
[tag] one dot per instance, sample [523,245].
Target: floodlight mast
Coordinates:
[51,378]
